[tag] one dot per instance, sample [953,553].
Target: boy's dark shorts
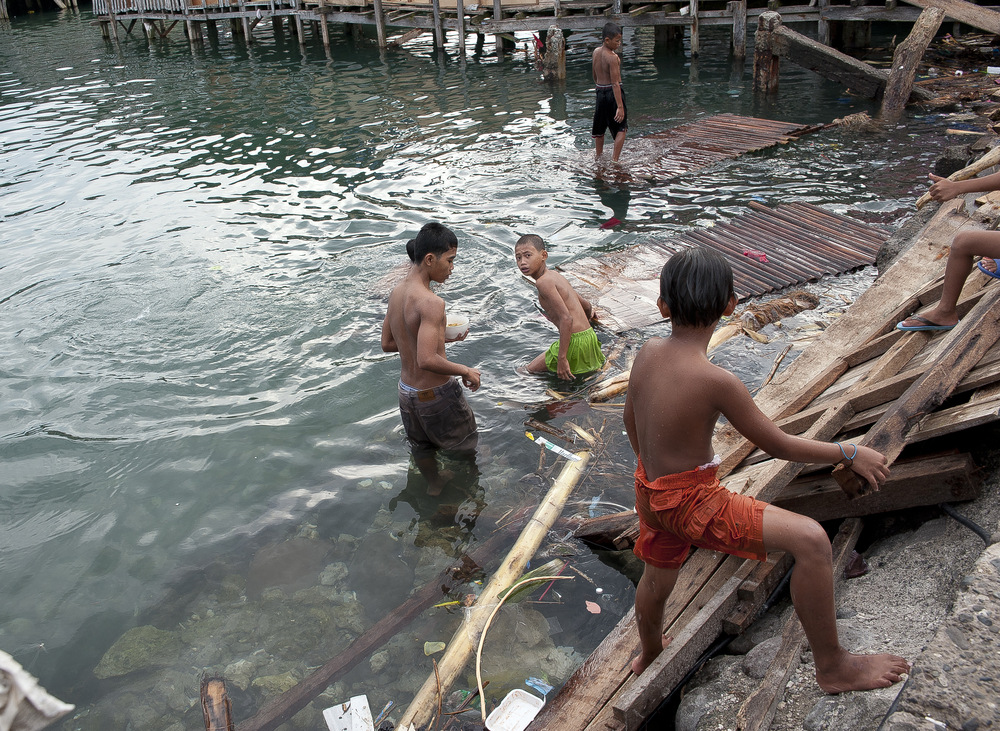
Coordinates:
[604,113]
[438,418]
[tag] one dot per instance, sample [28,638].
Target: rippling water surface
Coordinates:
[195,250]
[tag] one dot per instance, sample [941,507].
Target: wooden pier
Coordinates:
[497,18]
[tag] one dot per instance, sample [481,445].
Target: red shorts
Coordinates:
[693,509]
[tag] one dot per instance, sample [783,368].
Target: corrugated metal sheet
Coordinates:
[801,242]
[708,141]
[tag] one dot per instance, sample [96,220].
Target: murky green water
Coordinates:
[194,248]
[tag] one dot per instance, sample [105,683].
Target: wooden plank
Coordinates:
[965,346]
[911,484]
[754,591]
[609,666]
[974,15]
[757,711]
[636,703]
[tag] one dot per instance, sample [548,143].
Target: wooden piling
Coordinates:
[380,24]
[438,28]
[823,25]
[765,59]
[739,10]
[324,32]
[554,58]
[498,16]
[4,14]
[460,9]
[695,29]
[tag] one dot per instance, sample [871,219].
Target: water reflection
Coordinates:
[445,498]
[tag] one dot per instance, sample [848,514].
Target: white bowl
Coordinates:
[455,326]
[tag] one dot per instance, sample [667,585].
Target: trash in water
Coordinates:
[515,711]
[540,685]
[431,647]
[553,447]
[593,607]
[354,715]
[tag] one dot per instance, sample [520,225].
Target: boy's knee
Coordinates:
[965,243]
[813,541]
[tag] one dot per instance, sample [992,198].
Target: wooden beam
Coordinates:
[977,16]
[215,705]
[905,60]
[966,345]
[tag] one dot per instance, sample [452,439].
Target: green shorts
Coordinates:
[584,353]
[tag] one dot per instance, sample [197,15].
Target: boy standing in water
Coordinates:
[675,397]
[610,113]
[964,248]
[433,408]
[578,349]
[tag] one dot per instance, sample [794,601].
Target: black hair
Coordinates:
[533,240]
[696,284]
[432,239]
[611,30]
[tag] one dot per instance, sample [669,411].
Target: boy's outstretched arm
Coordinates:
[739,407]
[944,189]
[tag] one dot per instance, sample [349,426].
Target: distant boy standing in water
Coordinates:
[675,397]
[610,113]
[433,408]
[578,349]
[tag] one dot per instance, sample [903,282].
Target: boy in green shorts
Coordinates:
[578,349]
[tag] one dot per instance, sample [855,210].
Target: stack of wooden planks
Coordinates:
[861,381]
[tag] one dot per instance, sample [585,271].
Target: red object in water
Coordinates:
[611,223]
[754,254]
[538,42]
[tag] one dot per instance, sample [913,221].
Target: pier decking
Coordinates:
[498,18]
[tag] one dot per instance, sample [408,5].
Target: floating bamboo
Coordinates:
[461,648]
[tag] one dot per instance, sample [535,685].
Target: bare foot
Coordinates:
[862,672]
[641,663]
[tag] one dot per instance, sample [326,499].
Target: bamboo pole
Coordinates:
[988,160]
[460,649]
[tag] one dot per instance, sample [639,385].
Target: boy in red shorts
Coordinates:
[675,397]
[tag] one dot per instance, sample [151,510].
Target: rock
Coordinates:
[273,685]
[954,158]
[139,648]
[759,659]
[240,673]
[333,574]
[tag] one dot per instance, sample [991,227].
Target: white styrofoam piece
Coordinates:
[515,711]
[354,715]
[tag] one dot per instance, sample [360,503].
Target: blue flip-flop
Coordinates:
[926,325]
[995,274]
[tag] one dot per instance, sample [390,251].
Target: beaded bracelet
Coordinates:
[848,461]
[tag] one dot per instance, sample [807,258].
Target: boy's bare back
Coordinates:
[556,295]
[682,395]
[606,66]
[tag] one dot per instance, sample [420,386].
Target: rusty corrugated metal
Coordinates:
[802,243]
